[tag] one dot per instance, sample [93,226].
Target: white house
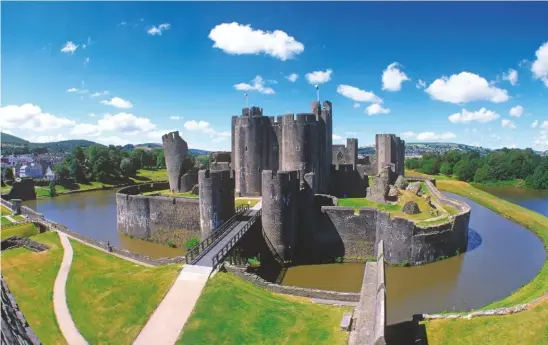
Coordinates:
[50,175]
[33,170]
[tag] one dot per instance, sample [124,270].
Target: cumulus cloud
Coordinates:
[540,65]
[435,136]
[542,140]
[544,125]
[238,39]
[511,76]
[376,109]
[69,48]
[483,115]
[516,111]
[125,123]
[358,95]
[85,129]
[292,77]
[356,105]
[465,87]
[534,124]
[205,127]
[421,84]
[508,123]
[158,30]
[258,84]
[45,138]
[408,135]
[393,77]
[176,118]
[98,94]
[75,90]
[31,117]
[113,140]
[118,103]
[86,61]
[319,77]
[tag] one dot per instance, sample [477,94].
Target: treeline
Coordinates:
[503,165]
[113,164]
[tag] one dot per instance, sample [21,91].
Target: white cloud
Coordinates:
[125,123]
[238,39]
[421,84]
[157,134]
[516,111]
[72,89]
[534,124]
[540,65]
[292,77]
[118,103]
[337,138]
[69,48]
[30,117]
[176,118]
[465,87]
[376,109]
[356,105]
[542,140]
[75,90]
[86,61]
[358,95]
[158,30]
[113,140]
[408,135]
[319,77]
[45,138]
[483,115]
[434,136]
[511,76]
[508,123]
[258,85]
[392,77]
[85,129]
[205,127]
[544,125]
[92,114]
[98,94]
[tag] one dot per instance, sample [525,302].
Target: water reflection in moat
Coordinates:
[94,214]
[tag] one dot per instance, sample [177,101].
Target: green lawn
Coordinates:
[232,311]
[363,202]
[23,230]
[167,192]
[5,221]
[5,211]
[111,299]
[250,202]
[524,328]
[30,277]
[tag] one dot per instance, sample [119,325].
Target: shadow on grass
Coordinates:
[141,178]
[407,333]
[70,185]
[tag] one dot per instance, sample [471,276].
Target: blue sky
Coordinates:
[473,73]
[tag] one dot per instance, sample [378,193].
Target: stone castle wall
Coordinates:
[348,154]
[216,203]
[175,151]
[349,180]
[343,232]
[15,329]
[142,215]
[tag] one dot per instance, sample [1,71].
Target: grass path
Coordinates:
[30,277]
[23,230]
[111,299]
[232,311]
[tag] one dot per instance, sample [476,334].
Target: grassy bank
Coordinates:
[245,201]
[232,311]
[110,299]
[23,230]
[5,211]
[30,277]
[167,192]
[528,327]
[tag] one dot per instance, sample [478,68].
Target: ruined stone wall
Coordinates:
[326,117]
[216,189]
[188,180]
[390,149]
[23,189]
[348,154]
[15,329]
[280,191]
[348,180]
[142,215]
[175,151]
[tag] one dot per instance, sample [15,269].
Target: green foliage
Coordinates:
[52,191]
[127,168]
[254,262]
[339,259]
[202,160]
[171,243]
[191,243]
[482,174]
[7,174]
[160,159]
[446,169]
[76,171]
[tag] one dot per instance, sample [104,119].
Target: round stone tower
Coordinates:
[175,151]
[280,192]
[216,190]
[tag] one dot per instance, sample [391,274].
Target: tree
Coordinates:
[430,167]
[127,168]
[160,159]
[482,174]
[52,191]
[78,154]
[464,170]
[76,171]
[62,170]
[7,174]
[446,169]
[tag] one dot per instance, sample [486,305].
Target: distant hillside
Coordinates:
[12,139]
[13,144]
[417,149]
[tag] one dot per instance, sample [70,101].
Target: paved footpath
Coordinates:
[166,323]
[68,328]
[11,219]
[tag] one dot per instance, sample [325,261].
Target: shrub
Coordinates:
[171,243]
[191,243]
[254,262]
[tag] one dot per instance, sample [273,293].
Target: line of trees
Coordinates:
[107,164]
[503,165]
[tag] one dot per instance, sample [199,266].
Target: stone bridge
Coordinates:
[213,249]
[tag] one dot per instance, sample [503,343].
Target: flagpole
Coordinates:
[317,92]
[246,101]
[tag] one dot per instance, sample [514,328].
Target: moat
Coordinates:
[505,257]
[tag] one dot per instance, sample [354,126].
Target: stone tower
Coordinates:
[216,190]
[390,151]
[326,116]
[175,151]
[280,192]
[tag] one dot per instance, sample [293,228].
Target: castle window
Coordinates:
[340,156]
[246,148]
[298,147]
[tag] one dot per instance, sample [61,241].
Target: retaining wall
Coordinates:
[142,215]
[15,329]
[292,290]
[343,232]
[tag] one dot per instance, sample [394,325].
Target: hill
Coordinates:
[417,149]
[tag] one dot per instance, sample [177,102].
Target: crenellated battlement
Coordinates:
[217,174]
[170,137]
